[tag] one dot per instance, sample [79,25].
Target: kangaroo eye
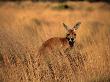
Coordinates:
[68,34]
[75,34]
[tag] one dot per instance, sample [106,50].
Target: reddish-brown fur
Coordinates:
[56,41]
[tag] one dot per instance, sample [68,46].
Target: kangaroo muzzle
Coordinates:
[71,41]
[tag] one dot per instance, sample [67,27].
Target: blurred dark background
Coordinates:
[61,0]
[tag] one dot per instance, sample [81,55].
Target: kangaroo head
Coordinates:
[71,33]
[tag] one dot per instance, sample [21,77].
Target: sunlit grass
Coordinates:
[23,30]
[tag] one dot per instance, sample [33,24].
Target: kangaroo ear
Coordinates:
[77,26]
[66,27]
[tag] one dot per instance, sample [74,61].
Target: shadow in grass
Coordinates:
[1,59]
[40,22]
[62,6]
[65,6]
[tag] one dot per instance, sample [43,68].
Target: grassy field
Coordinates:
[25,26]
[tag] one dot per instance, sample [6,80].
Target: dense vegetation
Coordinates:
[25,27]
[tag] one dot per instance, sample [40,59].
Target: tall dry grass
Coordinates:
[24,27]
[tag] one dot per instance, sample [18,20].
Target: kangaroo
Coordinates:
[67,41]
[50,50]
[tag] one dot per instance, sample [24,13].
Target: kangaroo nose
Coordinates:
[71,39]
